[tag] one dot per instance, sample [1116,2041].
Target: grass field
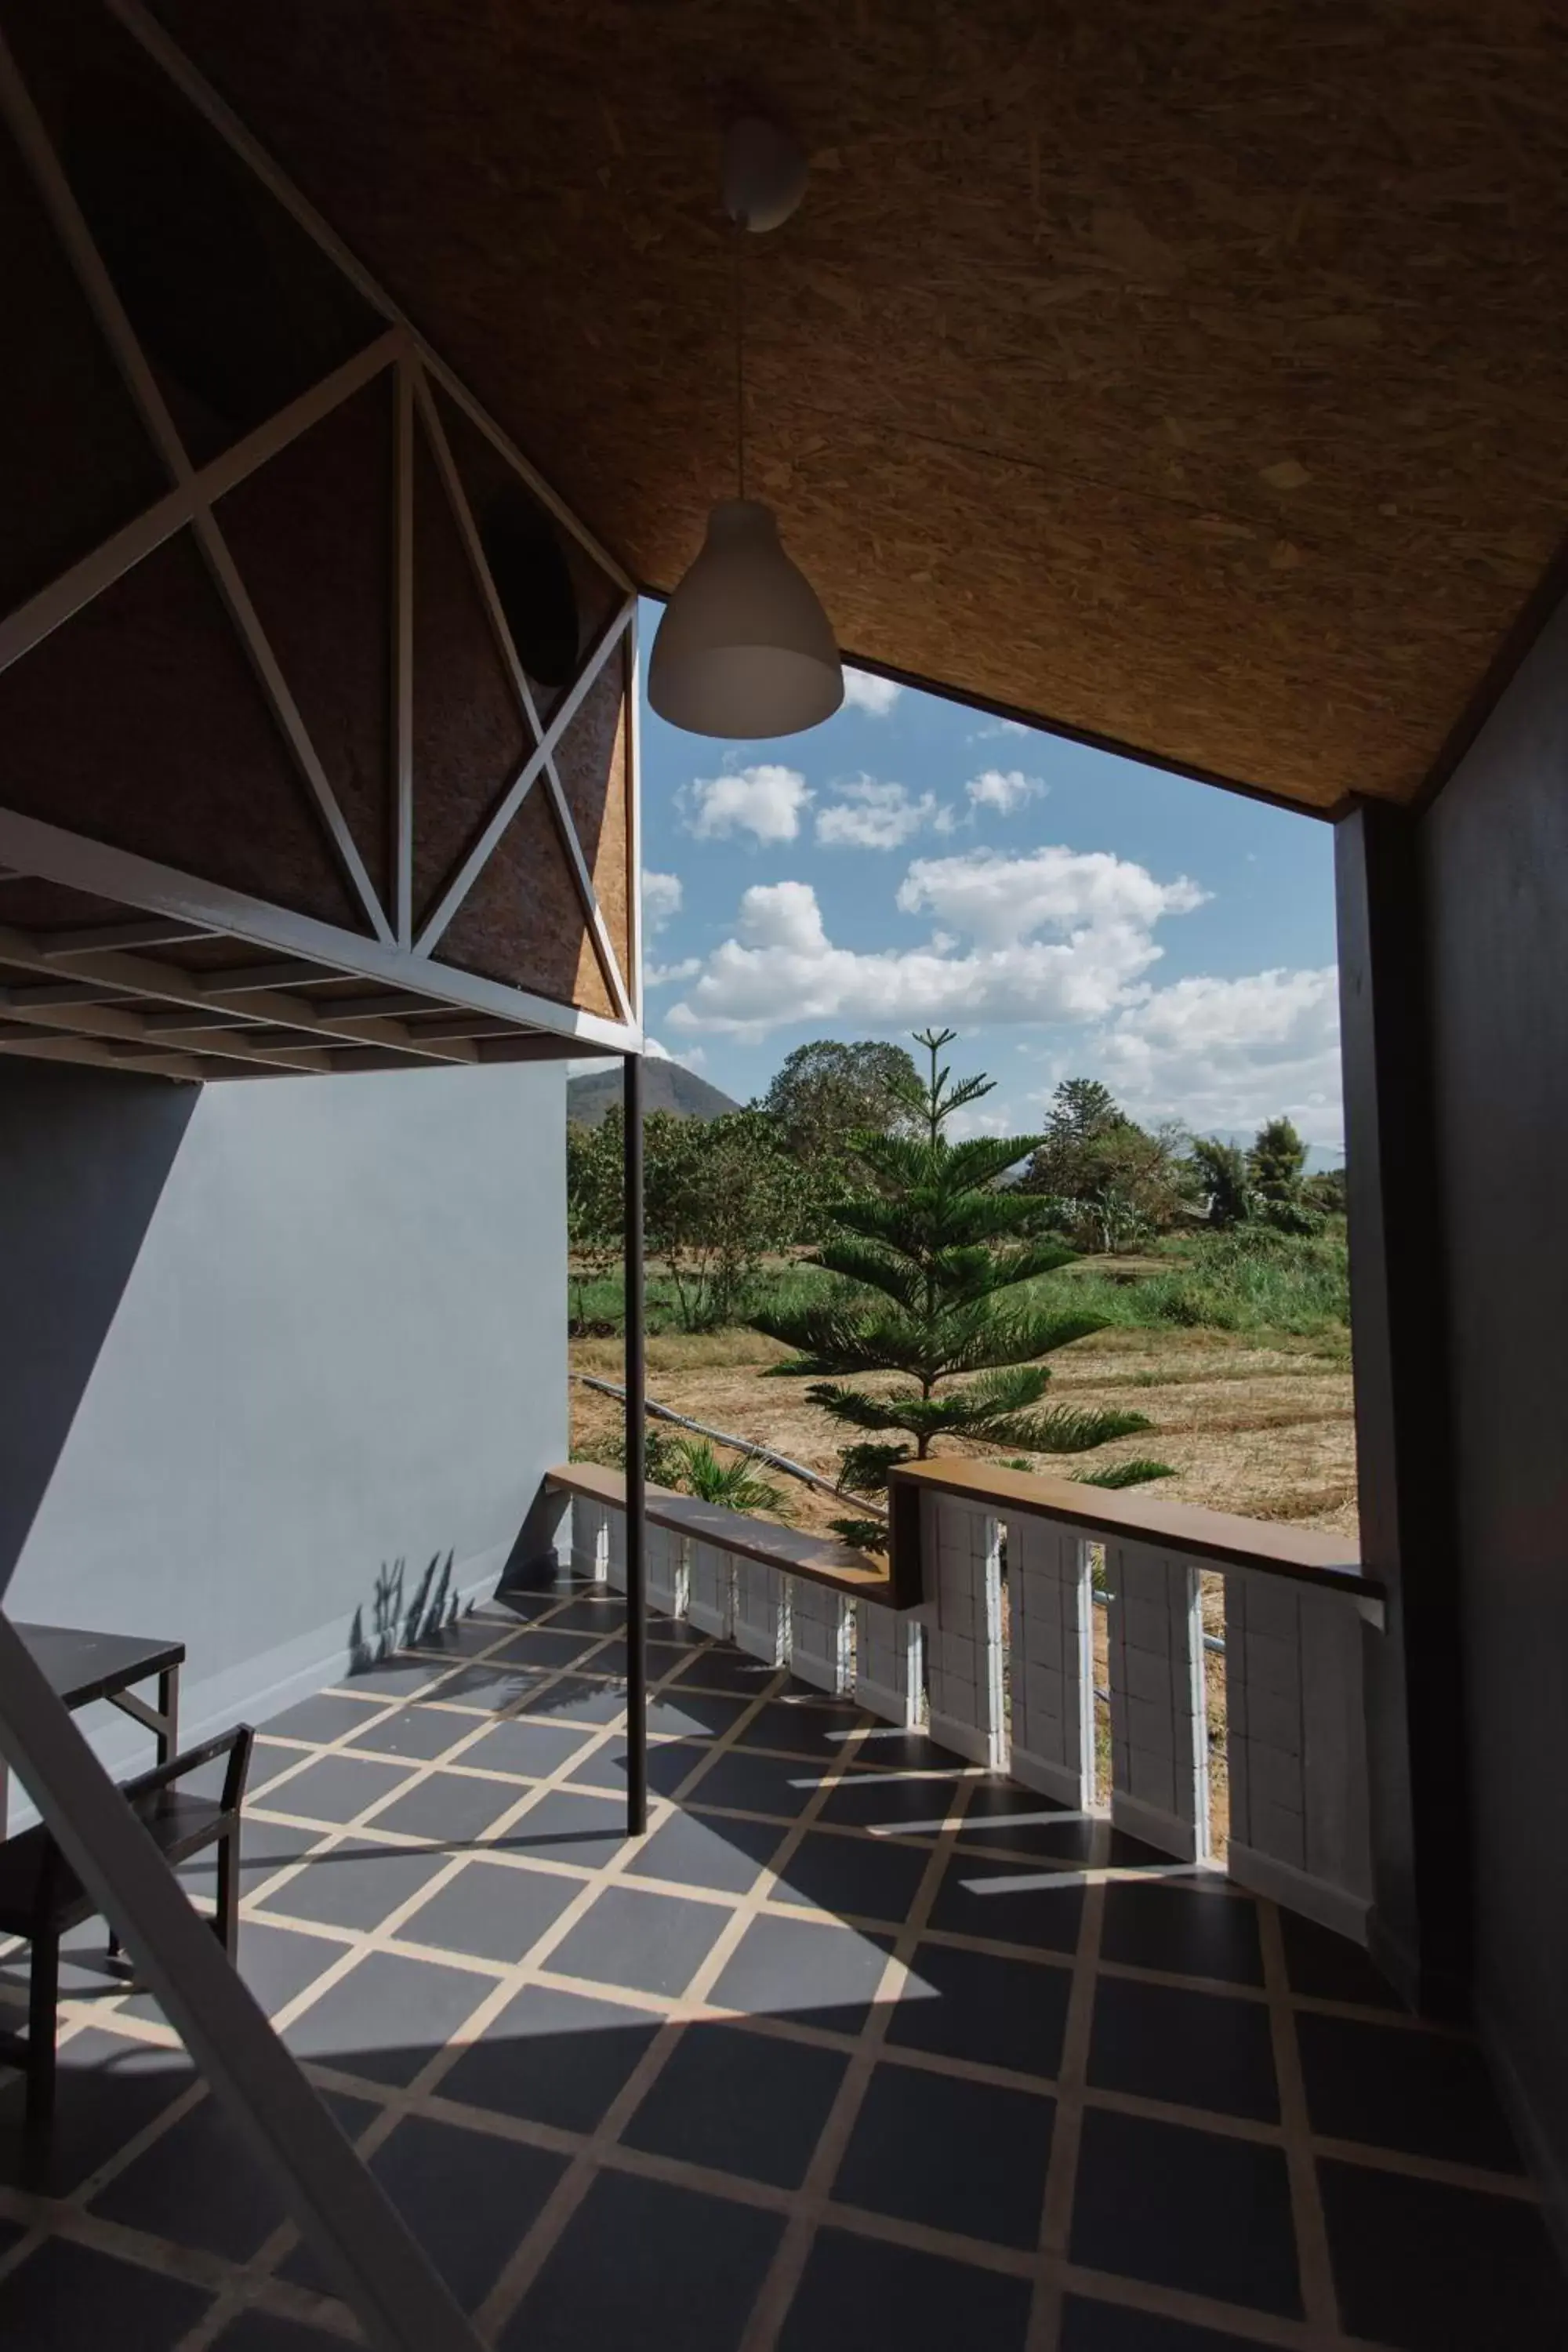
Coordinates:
[1239,1356]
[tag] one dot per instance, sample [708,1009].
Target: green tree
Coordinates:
[826,1092]
[1222,1178]
[1325,1193]
[719,1195]
[1277,1162]
[594,1198]
[1113,1181]
[933,1261]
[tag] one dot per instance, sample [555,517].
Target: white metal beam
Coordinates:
[200,907]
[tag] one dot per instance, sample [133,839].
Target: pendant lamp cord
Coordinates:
[738,233]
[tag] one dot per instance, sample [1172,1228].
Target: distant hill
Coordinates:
[666,1087]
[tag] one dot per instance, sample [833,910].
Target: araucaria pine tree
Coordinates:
[938,1253]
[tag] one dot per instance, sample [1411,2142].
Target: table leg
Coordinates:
[5,1799]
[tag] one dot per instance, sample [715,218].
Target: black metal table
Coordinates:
[82,1666]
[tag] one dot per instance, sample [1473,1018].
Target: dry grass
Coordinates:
[1266,1431]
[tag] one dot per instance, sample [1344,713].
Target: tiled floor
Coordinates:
[858,2048]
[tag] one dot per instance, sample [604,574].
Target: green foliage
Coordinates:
[1112,1183]
[1135,1473]
[594,1194]
[1251,1278]
[828,1092]
[1277,1160]
[932,1262]
[1222,1180]
[734,1485]
[719,1195]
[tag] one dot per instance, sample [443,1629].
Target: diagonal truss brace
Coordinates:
[541,763]
[338,2203]
[192,500]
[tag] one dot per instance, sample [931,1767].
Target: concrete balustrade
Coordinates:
[986,1631]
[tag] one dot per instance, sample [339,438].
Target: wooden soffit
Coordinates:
[1193,378]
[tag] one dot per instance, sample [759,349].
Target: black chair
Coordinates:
[42,1899]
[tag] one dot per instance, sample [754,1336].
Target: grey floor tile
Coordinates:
[450,1808]
[199,2185]
[1432,2268]
[1426,2093]
[335,1789]
[645,2267]
[954,2154]
[1008,1903]
[570,1825]
[417,1731]
[1183,1930]
[489,1910]
[857,2293]
[742,1782]
[646,1941]
[66,2297]
[1186,2209]
[527,1747]
[108,2090]
[324,1716]
[388,2017]
[859,1877]
[469,2198]
[553,2057]
[739,2102]
[820,1975]
[693,1851]
[978,2006]
[1195,2048]
[354,1885]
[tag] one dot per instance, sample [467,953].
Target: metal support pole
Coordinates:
[636,1523]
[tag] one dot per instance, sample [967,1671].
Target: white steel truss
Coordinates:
[393,954]
[96,993]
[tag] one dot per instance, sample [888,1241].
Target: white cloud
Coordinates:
[875,696]
[661,899]
[1003,790]
[1224,1054]
[999,727]
[869,815]
[654,1052]
[765,801]
[1097,913]
[663,975]
[994,898]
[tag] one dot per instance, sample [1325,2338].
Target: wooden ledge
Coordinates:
[816,1558]
[1220,1537]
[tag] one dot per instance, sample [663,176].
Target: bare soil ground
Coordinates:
[1265,1430]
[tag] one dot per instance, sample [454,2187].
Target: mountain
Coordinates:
[666,1087]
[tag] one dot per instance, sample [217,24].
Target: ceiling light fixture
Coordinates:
[744,650]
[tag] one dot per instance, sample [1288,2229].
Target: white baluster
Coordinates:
[963,1628]
[665,1566]
[819,1635]
[710,1590]
[760,1611]
[590,1539]
[889,1664]
[1050,1633]
[1158,1732]
[1296,1745]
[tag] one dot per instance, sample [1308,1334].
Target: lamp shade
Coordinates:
[744,650]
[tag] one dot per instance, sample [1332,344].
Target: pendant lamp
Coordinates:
[744,648]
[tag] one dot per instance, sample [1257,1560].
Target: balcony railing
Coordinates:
[983,1625]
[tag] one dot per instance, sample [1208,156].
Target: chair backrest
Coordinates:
[236,1745]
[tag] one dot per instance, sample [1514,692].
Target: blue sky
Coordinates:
[1068,912]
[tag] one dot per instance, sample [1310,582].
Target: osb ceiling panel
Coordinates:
[1193,377]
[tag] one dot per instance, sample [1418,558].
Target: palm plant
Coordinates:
[934,1261]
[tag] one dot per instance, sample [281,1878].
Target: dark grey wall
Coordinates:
[269,1350]
[1495,869]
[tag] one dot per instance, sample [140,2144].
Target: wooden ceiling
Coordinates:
[1192,378]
